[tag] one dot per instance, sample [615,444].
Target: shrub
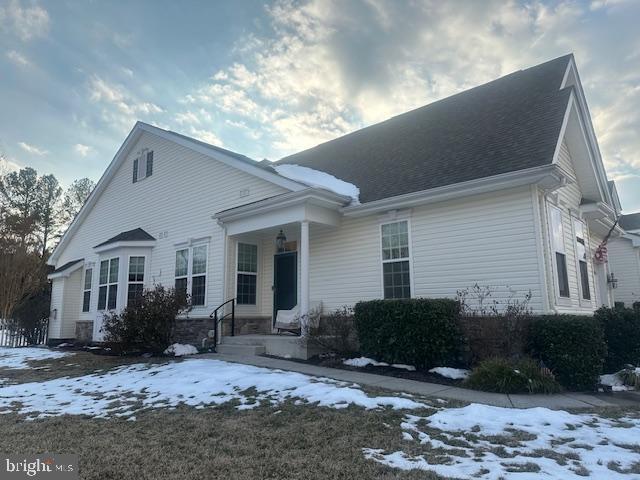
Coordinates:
[419,332]
[336,332]
[572,346]
[507,376]
[621,328]
[493,327]
[146,324]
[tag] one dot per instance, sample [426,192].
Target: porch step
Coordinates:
[240,349]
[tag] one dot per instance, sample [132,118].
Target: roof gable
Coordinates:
[221,155]
[507,125]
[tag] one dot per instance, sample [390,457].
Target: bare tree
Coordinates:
[22,272]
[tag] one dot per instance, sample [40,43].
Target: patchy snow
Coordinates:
[195,382]
[615,382]
[18,357]
[484,442]
[453,373]
[364,361]
[319,179]
[180,350]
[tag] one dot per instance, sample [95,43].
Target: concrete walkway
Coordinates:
[558,401]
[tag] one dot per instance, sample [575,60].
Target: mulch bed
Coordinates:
[336,362]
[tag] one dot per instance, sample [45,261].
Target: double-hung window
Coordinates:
[135,279]
[396,269]
[581,254]
[108,284]
[143,166]
[247,275]
[86,293]
[191,273]
[560,255]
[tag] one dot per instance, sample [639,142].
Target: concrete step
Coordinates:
[240,349]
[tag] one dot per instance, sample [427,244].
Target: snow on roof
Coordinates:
[319,179]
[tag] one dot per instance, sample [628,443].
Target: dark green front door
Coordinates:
[285,282]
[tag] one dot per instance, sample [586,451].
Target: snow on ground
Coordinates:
[18,357]
[317,178]
[195,382]
[453,373]
[615,382]
[180,350]
[484,442]
[364,361]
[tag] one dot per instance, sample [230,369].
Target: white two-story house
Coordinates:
[502,185]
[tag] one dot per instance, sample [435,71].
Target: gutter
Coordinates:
[549,177]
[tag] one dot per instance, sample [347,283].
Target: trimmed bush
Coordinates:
[505,376]
[572,346]
[622,333]
[419,332]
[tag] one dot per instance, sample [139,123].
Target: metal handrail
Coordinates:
[217,320]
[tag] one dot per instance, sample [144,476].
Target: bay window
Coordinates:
[247,274]
[135,280]
[396,268]
[108,284]
[86,294]
[581,257]
[560,256]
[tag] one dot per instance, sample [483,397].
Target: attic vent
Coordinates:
[143,165]
[244,192]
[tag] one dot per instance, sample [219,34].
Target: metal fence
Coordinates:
[12,335]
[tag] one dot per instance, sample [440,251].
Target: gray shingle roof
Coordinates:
[67,265]
[135,235]
[630,221]
[510,124]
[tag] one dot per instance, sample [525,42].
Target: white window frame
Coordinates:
[559,299]
[584,302]
[142,158]
[144,274]
[86,290]
[241,272]
[189,276]
[387,221]
[109,284]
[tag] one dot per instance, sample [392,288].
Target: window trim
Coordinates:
[388,221]
[86,290]
[559,299]
[242,272]
[108,284]
[140,164]
[144,273]
[584,302]
[189,276]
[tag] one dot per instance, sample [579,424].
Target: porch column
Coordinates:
[304,275]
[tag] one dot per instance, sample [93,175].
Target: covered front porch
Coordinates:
[267,267]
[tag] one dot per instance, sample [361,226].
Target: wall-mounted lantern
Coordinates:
[612,280]
[281,239]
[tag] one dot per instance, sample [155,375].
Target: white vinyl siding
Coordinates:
[72,304]
[485,239]
[176,204]
[624,262]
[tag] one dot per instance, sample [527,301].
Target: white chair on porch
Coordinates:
[289,320]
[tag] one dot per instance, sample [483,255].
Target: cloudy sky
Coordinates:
[267,79]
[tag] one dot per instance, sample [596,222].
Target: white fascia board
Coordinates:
[122,152]
[66,272]
[254,170]
[548,177]
[314,196]
[125,244]
[587,124]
